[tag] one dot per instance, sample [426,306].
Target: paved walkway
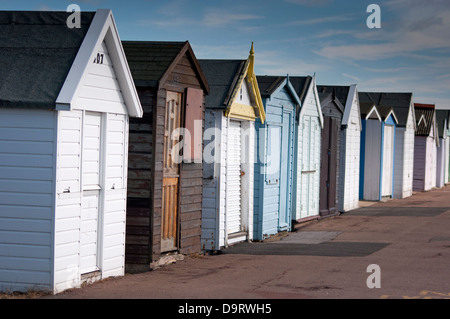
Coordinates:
[408,239]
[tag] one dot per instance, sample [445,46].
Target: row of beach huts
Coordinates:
[98,177]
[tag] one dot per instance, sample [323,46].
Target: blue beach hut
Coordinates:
[275,157]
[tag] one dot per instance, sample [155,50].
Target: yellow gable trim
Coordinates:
[241,110]
[251,78]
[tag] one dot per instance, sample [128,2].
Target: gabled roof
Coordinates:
[368,110]
[268,85]
[338,92]
[386,112]
[301,85]
[442,120]
[226,77]
[152,61]
[37,50]
[223,76]
[425,113]
[400,102]
[43,61]
[329,97]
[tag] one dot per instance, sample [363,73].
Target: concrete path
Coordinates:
[408,240]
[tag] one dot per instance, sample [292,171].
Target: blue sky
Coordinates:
[409,53]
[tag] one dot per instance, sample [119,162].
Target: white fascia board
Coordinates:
[318,104]
[374,109]
[313,90]
[102,28]
[293,93]
[352,93]
[123,72]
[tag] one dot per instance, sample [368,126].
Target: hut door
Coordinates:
[91,192]
[169,217]
[388,160]
[328,167]
[285,181]
[233,211]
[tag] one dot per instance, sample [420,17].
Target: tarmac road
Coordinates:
[408,239]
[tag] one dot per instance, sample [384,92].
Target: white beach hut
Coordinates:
[66,95]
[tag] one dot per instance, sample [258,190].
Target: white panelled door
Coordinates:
[233,204]
[91,145]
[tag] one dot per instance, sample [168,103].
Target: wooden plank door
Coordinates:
[285,172]
[328,172]
[89,237]
[169,216]
[388,160]
[233,204]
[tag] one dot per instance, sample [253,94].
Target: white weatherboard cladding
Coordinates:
[430,164]
[404,159]
[89,231]
[349,190]
[91,147]
[243,96]
[100,89]
[91,150]
[211,170]
[101,168]
[408,160]
[90,221]
[233,218]
[217,202]
[440,160]
[27,152]
[446,159]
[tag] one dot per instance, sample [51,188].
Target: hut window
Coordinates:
[193,125]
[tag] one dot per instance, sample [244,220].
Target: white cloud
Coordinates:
[208,18]
[220,18]
[319,20]
[351,77]
[311,3]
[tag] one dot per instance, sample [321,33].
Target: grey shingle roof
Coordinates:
[428,111]
[268,84]
[37,50]
[441,117]
[301,85]
[340,92]
[400,102]
[365,108]
[149,60]
[222,76]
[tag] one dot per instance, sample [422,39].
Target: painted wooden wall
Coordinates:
[308,158]
[348,198]
[27,192]
[404,159]
[269,192]
[440,163]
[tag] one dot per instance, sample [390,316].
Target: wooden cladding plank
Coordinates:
[170,195]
